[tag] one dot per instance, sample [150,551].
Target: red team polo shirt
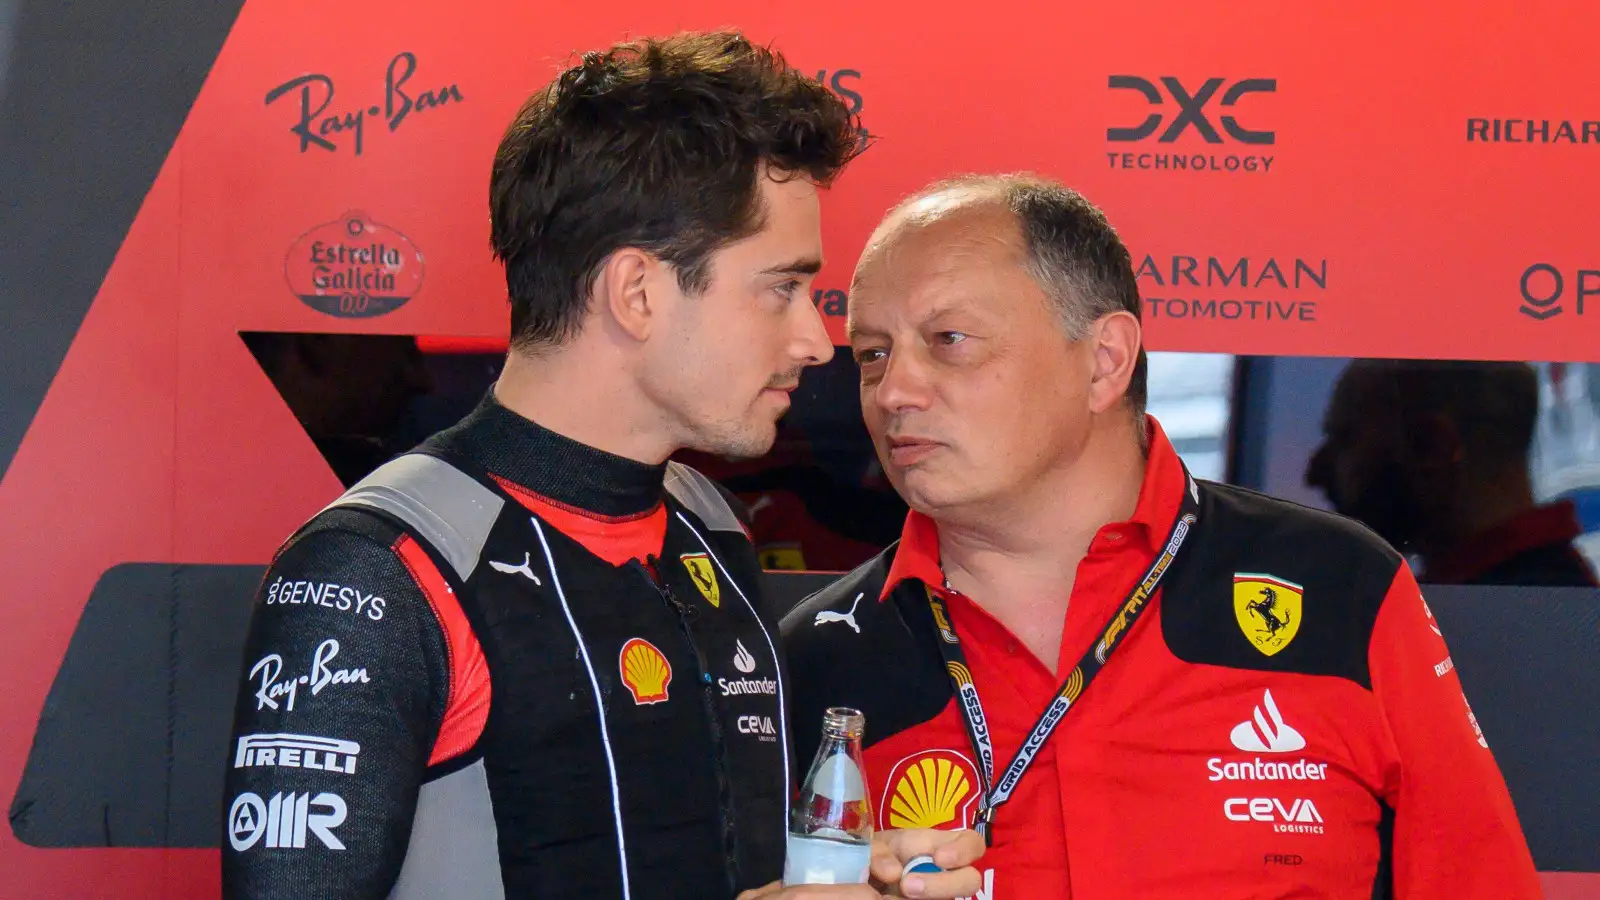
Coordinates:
[1332,756]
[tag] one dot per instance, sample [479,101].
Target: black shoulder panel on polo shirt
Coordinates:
[1345,570]
[890,670]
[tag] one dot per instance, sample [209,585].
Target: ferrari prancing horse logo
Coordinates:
[1268,609]
[704,576]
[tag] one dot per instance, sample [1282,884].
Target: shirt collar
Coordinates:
[1160,497]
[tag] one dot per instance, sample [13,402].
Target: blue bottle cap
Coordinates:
[922,865]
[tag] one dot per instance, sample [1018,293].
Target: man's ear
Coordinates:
[620,291]
[1116,338]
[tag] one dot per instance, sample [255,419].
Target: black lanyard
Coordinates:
[995,794]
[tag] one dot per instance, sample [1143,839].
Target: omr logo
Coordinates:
[1191,109]
[1543,288]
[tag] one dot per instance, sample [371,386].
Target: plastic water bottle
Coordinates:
[830,827]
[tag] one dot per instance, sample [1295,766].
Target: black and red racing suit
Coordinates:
[510,665]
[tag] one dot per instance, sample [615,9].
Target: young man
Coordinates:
[1140,685]
[527,659]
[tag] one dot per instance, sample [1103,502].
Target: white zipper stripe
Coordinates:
[777,667]
[600,705]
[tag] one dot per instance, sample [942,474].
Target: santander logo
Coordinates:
[1266,732]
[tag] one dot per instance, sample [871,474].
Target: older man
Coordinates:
[1139,685]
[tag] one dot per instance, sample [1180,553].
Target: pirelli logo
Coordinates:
[297,751]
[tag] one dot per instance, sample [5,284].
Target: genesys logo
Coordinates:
[1212,113]
[320,124]
[1206,287]
[285,821]
[1549,290]
[326,594]
[1533,131]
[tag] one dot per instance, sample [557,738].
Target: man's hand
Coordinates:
[776,891]
[953,851]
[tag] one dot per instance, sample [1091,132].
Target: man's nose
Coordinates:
[811,345]
[904,385]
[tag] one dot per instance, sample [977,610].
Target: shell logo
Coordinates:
[931,789]
[645,671]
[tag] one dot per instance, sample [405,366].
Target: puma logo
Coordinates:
[848,618]
[525,569]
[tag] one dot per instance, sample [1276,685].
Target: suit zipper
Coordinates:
[686,614]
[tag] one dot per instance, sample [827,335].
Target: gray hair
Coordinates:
[1072,252]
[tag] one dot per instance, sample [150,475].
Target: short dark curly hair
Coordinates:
[656,144]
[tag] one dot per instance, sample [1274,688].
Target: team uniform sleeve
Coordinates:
[1456,834]
[343,688]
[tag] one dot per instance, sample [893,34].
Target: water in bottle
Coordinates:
[830,827]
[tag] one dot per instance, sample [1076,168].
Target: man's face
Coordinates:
[1362,464]
[970,387]
[731,354]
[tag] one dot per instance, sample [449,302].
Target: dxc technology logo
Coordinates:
[1183,110]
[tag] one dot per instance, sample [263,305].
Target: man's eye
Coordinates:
[869,355]
[950,337]
[788,288]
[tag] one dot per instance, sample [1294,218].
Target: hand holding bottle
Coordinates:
[954,852]
[833,853]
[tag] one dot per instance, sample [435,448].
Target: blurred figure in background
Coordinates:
[1433,455]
